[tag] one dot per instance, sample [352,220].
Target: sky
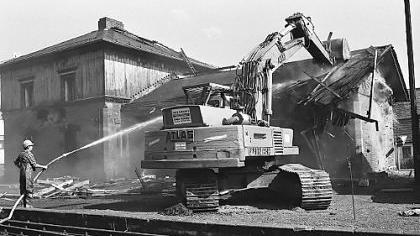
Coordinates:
[217,32]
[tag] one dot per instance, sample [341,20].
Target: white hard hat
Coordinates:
[27,143]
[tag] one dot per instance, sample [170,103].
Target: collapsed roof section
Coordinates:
[339,82]
[345,78]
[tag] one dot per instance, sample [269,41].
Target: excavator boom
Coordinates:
[254,83]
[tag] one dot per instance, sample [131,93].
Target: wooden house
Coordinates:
[67,95]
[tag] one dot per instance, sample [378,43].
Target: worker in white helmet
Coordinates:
[27,165]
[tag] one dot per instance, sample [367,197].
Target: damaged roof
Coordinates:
[345,77]
[114,35]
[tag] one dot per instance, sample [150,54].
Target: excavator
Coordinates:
[221,141]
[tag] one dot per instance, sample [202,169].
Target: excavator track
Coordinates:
[198,190]
[309,188]
[315,186]
[202,197]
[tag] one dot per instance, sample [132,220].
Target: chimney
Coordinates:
[107,23]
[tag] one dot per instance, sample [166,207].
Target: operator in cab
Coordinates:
[26,163]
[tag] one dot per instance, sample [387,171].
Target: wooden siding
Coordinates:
[88,67]
[402,127]
[127,74]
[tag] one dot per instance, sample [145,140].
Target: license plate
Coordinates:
[179,146]
[258,151]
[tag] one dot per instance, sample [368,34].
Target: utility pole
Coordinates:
[413,101]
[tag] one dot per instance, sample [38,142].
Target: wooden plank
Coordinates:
[69,189]
[192,163]
[372,85]
[323,85]
[51,189]
[397,190]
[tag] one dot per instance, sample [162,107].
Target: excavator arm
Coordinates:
[253,85]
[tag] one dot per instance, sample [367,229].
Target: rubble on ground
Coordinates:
[153,184]
[176,210]
[74,187]
[164,185]
[411,212]
[60,187]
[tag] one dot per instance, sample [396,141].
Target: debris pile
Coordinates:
[152,184]
[74,187]
[60,187]
[177,210]
[411,212]
[164,185]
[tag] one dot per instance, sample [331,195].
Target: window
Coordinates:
[407,152]
[27,93]
[68,86]
[407,160]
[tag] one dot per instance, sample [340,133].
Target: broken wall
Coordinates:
[329,144]
[375,147]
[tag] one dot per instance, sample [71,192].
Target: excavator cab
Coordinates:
[208,94]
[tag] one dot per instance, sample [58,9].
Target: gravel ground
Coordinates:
[381,215]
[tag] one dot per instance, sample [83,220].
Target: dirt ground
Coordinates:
[373,212]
